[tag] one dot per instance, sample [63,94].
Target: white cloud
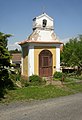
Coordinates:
[14,46]
[67,39]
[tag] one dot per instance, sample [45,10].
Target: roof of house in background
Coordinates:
[16,57]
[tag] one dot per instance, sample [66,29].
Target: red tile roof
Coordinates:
[40,42]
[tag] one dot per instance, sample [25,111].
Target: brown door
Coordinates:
[45,63]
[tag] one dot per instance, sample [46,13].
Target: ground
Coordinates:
[62,108]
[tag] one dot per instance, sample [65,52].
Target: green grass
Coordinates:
[76,87]
[70,79]
[40,92]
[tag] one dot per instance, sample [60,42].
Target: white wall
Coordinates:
[46,36]
[38,22]
[58,58]
[30,60]
[22,63]
[31,65]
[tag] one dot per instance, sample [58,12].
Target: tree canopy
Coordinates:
[4,39]
[15,51]
[4,54]
[4,62]
[72,52]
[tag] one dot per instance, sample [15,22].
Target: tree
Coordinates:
[15,51]
[4,54]
[4,62]
[4,39]
[72,53]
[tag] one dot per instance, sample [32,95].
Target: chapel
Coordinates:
[41,50]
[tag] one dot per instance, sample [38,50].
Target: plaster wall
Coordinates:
[30,60]
[38,22]
[37,51]
[58,59]
[25,61]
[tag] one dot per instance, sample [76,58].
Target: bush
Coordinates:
[5,82]
[5,79]
[33,80]
[58,75]
[36,80]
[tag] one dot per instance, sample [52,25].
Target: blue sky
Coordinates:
[16,17]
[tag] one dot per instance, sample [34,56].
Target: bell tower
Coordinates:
[43,29]
[43,22]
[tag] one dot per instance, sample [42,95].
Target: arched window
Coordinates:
[44,23]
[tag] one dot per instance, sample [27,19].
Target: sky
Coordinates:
[16,18]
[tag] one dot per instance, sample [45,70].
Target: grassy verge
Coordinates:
[76,87]
[41,92]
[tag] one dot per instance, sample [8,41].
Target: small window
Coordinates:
[44,23]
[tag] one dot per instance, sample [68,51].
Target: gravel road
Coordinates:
[62,108]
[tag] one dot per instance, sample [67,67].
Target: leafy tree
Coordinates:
[15,51]
[4,39]
[4,62]
[4,54]
[4,57]
[72,53]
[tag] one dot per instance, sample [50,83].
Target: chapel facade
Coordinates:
[41,50]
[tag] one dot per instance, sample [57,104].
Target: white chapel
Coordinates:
[41,50]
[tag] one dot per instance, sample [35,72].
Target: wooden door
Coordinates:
[45,63]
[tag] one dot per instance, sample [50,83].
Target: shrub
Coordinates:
[5,79]
[33,80]
[5,82]
[36,80]
[58,75]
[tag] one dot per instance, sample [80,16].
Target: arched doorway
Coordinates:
[45,63]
